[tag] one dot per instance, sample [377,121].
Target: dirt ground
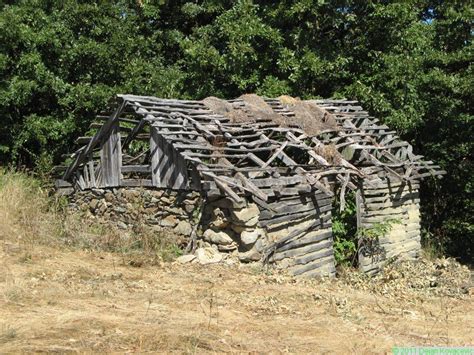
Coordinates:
[55,300]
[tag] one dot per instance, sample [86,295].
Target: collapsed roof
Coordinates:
[251,146]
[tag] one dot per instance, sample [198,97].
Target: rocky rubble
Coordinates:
[235,229]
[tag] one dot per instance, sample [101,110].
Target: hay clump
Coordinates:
[250,109]
[226,109]
[330,153]
[256,107]
[310,117]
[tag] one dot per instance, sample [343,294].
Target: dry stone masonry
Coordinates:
[127,207]
[245,230]
[397,204]
[253,177]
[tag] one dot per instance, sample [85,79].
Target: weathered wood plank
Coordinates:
[320,263]
[136,168]
[136,183]
[111,157]
[304,254]
[281,209]
[103,131]
[318,216]
[91,169]
[315,252]
[311,237]
[156,152]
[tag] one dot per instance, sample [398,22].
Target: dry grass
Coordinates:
[31,217]
[89,301]
[55,298]
[310,117]
[25,211]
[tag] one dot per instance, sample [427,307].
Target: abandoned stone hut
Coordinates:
[254,177]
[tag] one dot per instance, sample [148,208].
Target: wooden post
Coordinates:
[156,151]
[359,204]
[93,181]
[111,158]
[168,168]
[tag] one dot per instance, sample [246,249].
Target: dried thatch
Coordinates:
[250,107]
[311,118]
[224,108]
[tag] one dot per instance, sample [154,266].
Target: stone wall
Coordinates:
[219,224]
[233,229]
[223,228]
[127,207]
[379,203]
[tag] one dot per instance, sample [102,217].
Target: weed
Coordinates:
[26,211]
[368,238]
[14,294]
[432,249]
[25,258]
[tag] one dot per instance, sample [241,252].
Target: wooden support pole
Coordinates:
[156,152]
[111,157]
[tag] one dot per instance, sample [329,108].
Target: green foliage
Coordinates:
[377,230]
[345,250]
[344,228]
[348,238]
[368,238]
[409,63]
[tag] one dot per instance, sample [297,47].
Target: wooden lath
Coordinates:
[377,144]
[219,156]
[194,147]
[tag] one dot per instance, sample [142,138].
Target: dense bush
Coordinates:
[409,63]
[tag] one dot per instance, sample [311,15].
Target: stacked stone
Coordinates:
[304,221]
[127,207]
[242,230]
[389,200]
[235,229]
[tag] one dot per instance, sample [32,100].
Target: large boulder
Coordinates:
[219,220]
[169,221]
[183,259]
[93,204]
[249,256]
[184,228]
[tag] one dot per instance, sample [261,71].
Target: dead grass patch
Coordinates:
[31,217]
[64,293]
[26,211]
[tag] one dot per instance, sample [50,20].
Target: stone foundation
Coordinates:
[294,235]
[244,231]
[128,207]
